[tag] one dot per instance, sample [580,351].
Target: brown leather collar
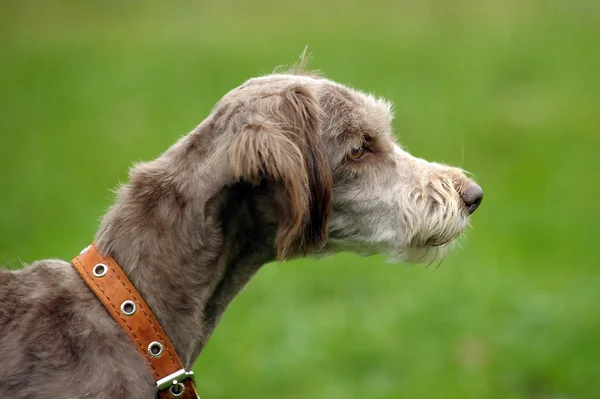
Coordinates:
[122,301]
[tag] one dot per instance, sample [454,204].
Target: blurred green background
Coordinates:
[507,89]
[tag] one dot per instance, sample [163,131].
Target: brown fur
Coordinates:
[283,145]
[266,176]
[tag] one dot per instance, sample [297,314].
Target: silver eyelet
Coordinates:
[177,389]
[155,349]
[100,270]
[128,308]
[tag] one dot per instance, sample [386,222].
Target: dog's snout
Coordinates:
[472,197]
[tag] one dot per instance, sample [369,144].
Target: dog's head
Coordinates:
[338,180]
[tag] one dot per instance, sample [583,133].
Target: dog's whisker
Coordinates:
[432,260]
[441,260]
[462,155]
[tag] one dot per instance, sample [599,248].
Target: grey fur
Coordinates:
[252,183]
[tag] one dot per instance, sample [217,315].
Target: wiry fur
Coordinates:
[266,176]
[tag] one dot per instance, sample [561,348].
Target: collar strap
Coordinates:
[127,307]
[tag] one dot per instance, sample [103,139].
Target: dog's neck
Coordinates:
[188,251]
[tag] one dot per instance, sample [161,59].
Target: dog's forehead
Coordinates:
[376,113]
[359,100]
[351,116]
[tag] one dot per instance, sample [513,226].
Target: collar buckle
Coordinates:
[174,379]
[174,382]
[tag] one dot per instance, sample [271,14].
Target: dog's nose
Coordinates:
[472,197]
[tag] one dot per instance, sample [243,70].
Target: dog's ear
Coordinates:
[279,141]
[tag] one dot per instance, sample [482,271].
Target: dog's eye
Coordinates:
[356,153]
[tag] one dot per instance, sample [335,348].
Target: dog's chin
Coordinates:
[411,255]
[426,252]
[423,248]
[423,254]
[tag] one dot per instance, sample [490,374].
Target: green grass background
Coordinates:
[507,89]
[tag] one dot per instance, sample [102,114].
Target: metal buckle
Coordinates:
[175,379]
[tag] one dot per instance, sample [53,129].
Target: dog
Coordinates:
[287,165]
